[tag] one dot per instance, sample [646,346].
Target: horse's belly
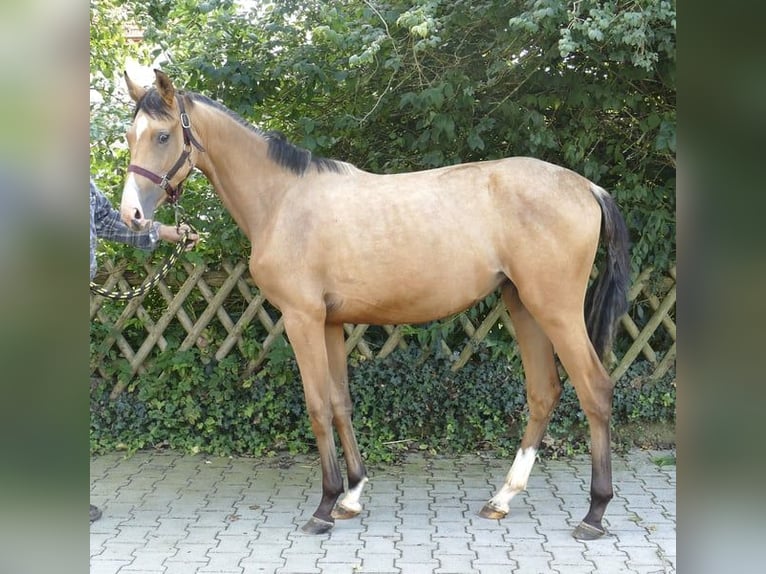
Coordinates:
[408,301]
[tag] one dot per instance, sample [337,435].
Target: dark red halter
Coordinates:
[173,193]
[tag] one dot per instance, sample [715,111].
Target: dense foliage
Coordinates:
[401,403]
[393,86]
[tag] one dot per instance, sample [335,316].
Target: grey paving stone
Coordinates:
[527,547]
[162,542]
[525,529]
[415,506]
[190,553]
[271,553]
[484,568]
[118,551]
[98,566]
[148,561]
[382,527]
[260,566]
[169,512]
[416,552]
[372,562]
[341,567]
[225,561]
[231,542]
[417,567]
[643,554]
[416,521]
[127,534]
[582,568]
[380,545]
[202,535]
[415,537]
[534,564]
[300,562]
[455,564]
[183,567]
[493,555]
[172,525]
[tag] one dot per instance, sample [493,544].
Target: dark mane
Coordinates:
[297,159]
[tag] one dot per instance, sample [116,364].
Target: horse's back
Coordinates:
[416,246]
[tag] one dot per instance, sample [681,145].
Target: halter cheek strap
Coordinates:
[172,192]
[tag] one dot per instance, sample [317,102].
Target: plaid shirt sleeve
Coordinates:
[105,223]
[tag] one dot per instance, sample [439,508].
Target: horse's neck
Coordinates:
[236,163]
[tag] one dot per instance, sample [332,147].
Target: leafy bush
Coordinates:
[403,402]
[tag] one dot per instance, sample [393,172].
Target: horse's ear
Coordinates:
[165,87]
[136,92]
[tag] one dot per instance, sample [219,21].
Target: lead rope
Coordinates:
[149,282]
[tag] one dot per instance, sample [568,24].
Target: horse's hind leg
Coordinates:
[594,390]
[543,393]
[342,408]
[565,326]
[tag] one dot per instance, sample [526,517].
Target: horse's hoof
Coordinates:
[341,512]
[585,531]
[492,513]
[317,526]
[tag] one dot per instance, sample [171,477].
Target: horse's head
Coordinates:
[161,154]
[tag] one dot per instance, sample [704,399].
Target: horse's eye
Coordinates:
[163,138]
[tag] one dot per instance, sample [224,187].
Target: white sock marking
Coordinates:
[516,481]
[351,499]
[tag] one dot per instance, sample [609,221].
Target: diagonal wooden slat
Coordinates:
[244,289]
[181,314]
[395,339]
[213,308]
[170,312]
[116,331]
[273,337]
[122,345]
[235,334]
[160,327]
[667,361]
[96,301]
[355,340]
[667,321]
[646,333]
[632,329]
[478,335]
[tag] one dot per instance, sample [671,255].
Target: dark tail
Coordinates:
[607,298]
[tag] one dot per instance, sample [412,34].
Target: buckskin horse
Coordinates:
[333,244]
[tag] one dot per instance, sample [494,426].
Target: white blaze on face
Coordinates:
[131,199]
[131,202]
[141,125]
[517,478]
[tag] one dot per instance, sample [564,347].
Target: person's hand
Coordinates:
[171,233]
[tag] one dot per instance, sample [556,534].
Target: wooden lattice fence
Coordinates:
[220,311]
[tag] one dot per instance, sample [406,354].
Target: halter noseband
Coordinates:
[173,193]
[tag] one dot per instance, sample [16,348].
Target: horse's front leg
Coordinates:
[342,408]
[306,334]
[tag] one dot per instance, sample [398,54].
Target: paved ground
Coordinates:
[169,513]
